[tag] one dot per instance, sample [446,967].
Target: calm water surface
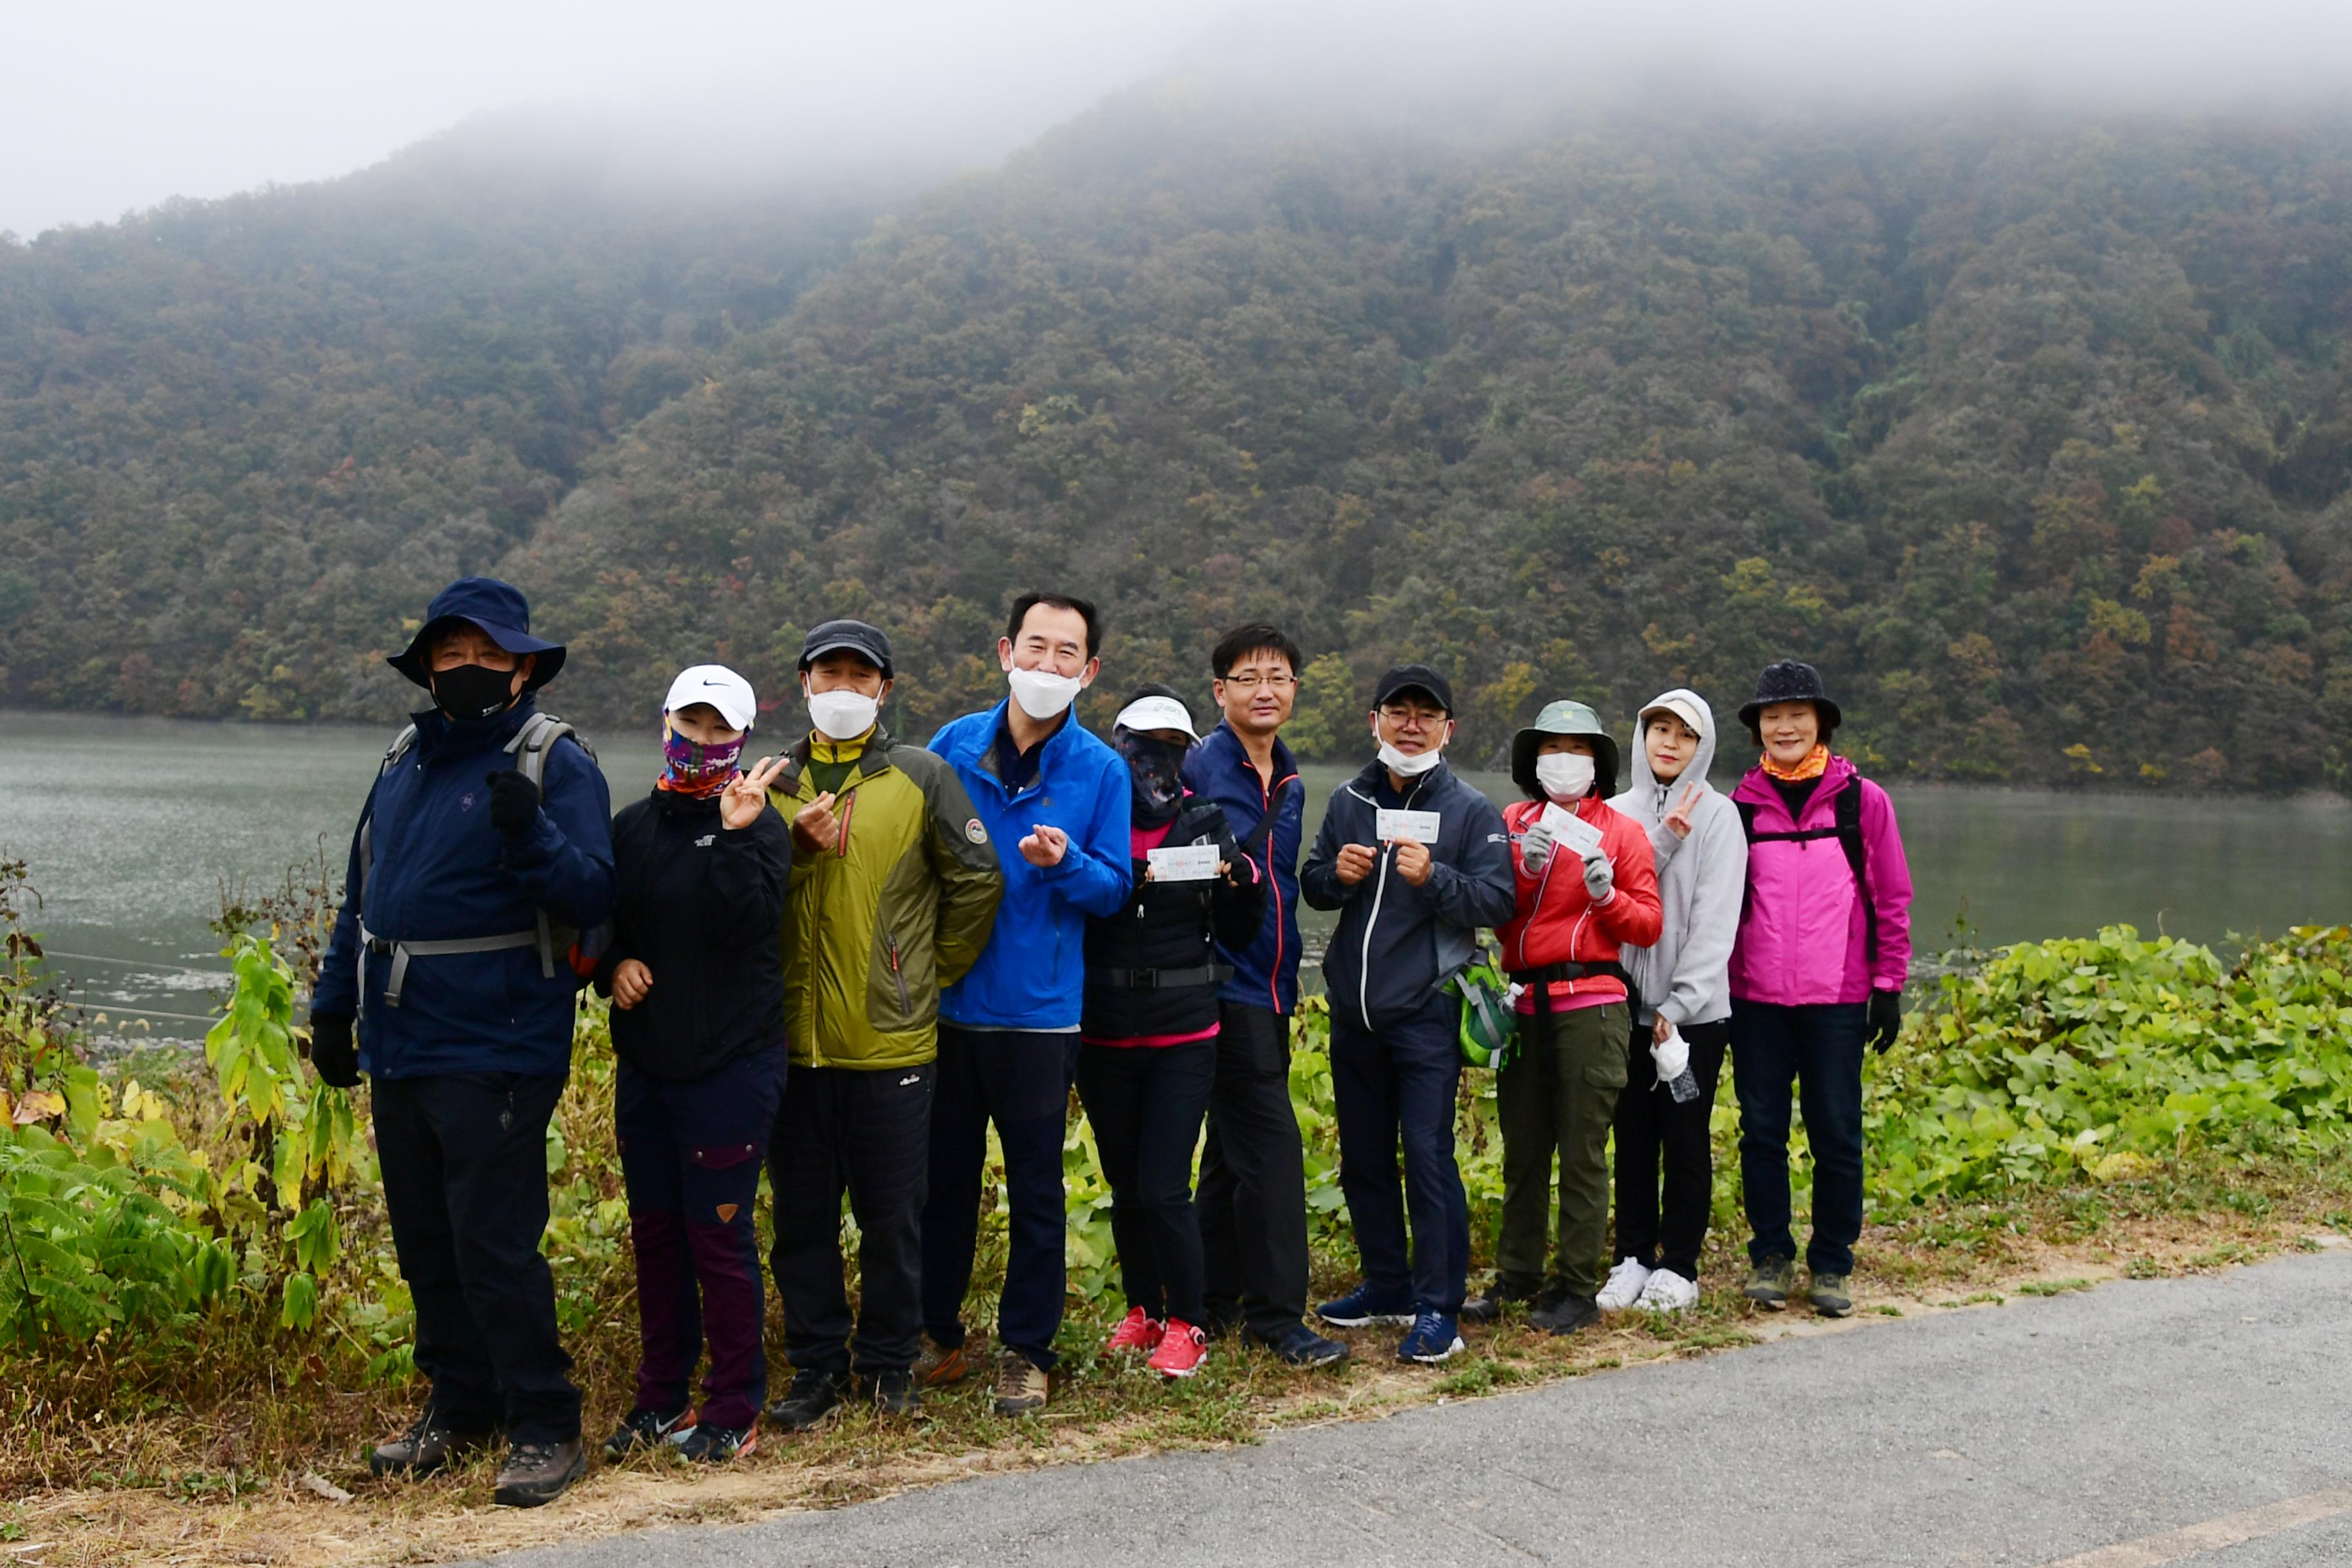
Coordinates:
[133,828]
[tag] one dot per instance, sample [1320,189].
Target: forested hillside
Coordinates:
[2033,434]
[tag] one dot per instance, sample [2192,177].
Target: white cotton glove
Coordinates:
[1600,878]
[1672,1056]
[1536,844]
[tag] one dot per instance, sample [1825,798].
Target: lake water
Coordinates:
[131,828]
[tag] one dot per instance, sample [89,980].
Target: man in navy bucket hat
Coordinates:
[485,843]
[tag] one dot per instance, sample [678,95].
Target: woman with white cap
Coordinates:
[1148,1051]
[698,1026]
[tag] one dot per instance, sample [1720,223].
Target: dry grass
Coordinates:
[173,1499]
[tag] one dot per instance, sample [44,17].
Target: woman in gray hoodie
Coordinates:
[1682,1007]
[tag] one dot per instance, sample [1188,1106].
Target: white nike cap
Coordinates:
[719,686]
[1156,713]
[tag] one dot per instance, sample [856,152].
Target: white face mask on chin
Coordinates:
[1412,766]
[1564,776]
[1041,694]
[842,715]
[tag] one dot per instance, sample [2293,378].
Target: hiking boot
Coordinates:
[1022,1387]
[1770,1282]
[708,1445]
[814,1398]
[428,1445]
[1138,1330]
[642,1429]
[895,1394]
[1827,1292]
[1667,1291]
[1181,1352]
[1566,1316]
[1431,1339]
[1503,1292]
[1359,1308]
[1624,1285]
[1300,1346]
[539,1473]
[942,1366]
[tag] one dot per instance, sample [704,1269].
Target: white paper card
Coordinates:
[1394,825]
[1185,863]
[1579,836]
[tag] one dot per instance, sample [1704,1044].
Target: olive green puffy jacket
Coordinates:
[901,906]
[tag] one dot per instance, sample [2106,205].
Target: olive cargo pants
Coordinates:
[1559,1094]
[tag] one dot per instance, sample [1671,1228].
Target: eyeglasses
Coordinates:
[1250,680]
[1414,718]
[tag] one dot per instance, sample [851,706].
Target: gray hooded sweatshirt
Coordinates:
[1702,881]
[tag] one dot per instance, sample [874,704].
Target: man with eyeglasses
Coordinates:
[1252,1196]
[1415,861]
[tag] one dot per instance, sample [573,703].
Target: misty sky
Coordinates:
[107,106]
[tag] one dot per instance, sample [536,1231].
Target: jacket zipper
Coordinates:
[1380,891]
[1274,976]
[898,975]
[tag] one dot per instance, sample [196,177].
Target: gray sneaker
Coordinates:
[537,1473]
[1021,1384]
[1827,1294]
[1770,1282]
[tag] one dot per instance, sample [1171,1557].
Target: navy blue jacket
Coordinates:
[1032,974]
[1396,942]
[1266,972]
[443,872]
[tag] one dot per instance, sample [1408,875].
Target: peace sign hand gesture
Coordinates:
[746,794]
[1678,822]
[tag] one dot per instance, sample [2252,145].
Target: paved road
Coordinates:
[2047,1431]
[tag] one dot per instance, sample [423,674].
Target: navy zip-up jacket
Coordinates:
[1266,972]
[443,872]
[1032,974]
[1396,942]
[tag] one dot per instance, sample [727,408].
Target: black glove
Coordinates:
[1886,1019]
[514,803]
[333,1053]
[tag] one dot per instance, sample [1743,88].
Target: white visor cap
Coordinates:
[1682,708]
[719,687]
[1156,713]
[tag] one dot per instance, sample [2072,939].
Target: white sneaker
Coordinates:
[1669,1291]
[1624,1286]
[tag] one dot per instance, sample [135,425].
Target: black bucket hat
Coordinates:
[1791,681]
[502,614]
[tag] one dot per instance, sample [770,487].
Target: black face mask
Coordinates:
[1154,771]
[470,693]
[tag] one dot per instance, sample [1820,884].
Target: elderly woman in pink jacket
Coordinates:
[1817,976]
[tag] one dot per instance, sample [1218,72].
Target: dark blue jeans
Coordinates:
[1395,1085]
[690,1154]
[1021,1082]
[1819,1049]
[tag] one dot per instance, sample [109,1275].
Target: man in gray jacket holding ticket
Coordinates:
[1415,861]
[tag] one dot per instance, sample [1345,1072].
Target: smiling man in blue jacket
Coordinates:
[1054,799]
[449,956]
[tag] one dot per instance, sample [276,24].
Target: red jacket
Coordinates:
[1559,923]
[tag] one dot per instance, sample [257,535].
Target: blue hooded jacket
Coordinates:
[1032,973]
[442,872]
[1266,972]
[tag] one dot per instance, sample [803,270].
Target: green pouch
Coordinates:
[1490,1030]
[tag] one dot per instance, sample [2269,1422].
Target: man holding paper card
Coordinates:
[1147,1056]
[1415,861]
[1586,888]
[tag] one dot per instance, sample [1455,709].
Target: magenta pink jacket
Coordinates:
[1802,937]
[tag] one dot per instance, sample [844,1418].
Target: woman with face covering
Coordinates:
[1817,975]
[1586,887]
[1148,1051]
[698,1026]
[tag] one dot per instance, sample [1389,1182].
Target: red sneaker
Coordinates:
[1138,1332]
[1182,1350]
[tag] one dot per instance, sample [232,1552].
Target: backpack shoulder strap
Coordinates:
[1256,838]
[1747,819]
[392,755]
[1847,811]
[537,736]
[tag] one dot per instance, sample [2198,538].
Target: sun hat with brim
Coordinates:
[500,612]
[1563,718]
[1682,708]
[1153,712]
[1791,681]
[719,687]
